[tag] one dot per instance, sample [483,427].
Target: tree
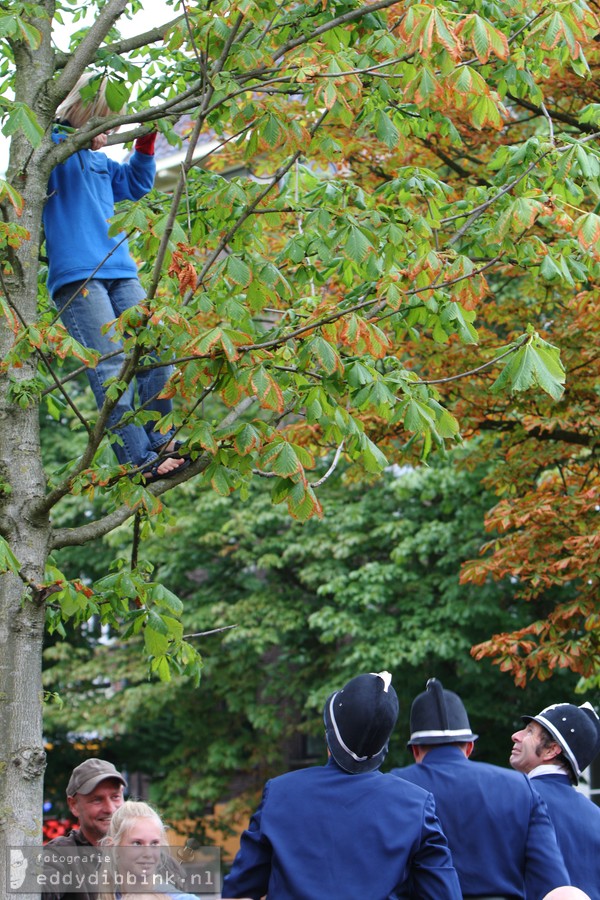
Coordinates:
[545,521]
[372,585]
[288,301]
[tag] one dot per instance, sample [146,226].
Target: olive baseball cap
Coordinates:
[87,775]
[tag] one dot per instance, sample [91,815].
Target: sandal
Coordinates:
[151,473]
[174,452]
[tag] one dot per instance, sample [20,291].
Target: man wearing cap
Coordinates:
[502,841]
[94,792]
[345,831]
[553,749]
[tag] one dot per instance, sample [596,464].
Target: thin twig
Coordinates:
[212,631]
[479,210]
[135,542]
[191,33]
[550,123]
[276,178]
[91,276]
[479,368]
[331,469]
[46,361]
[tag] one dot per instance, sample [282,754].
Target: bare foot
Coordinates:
[168,464]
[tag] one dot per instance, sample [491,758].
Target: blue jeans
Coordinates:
[100,302]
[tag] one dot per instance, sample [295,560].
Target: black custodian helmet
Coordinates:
[576,729]
[359,720]
[439,717]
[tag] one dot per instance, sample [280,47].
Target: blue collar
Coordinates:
[444,752]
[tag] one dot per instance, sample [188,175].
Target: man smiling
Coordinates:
[553,749]
[94,793]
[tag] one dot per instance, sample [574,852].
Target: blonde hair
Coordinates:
[77,110]
[122,820]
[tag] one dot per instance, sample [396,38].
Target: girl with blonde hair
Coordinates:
[77,110]
[140,859]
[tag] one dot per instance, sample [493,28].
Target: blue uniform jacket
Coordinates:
[82,193]
[577,823]
[498,829]
[322,833]
[177,896]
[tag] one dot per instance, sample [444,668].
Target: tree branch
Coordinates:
[205,633]
[539,433]
[126,44]
[331,469]
[78,61]
[344,19]
[189,159]
[276,178]
[556,114]
[479,210]
[76,537]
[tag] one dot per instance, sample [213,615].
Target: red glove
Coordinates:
[145,144]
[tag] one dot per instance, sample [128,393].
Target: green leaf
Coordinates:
[164,597]
[417,417]
[481,39]
[8,192]
[247,439]
[536,363]
[357,245]
[160,665]
[267,390]
[117,94]
[238,271]
[385,129]
[271,131]
[325,353]
[157,623]
[549,269]
[590,114]
[549,370]
[283,459]
[220,481]
[8,560]
[374,460]
[302,502]
[22,118]
[281,488]
[461,319]
[18,29]
[587,229]
[155,642]
[133,219]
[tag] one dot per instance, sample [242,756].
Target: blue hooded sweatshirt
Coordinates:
[82,193]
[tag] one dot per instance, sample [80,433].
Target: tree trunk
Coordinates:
[22,488]
[22,756]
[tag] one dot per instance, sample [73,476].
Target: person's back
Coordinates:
[498,829]
[335,836]
[577,823]
[344,831]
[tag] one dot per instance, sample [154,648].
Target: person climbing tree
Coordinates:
[93,279]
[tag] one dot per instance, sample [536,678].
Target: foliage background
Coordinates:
[372,585]
[416,256]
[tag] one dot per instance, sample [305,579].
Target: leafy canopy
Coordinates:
[407,161]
